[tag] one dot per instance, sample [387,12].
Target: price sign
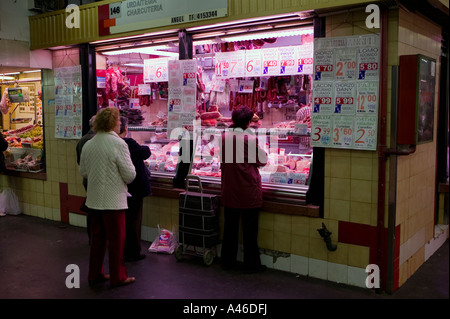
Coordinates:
[365,133]
[236,64]
[305,59]
[367,98]
[246,86]
[189,99]
[368,63]
[218,85]
[189,72]
[288,60]
[144,89]
[253,63]
[59,105]
[345,66]
[175,97]
[344,98]
[323,65]
[156,70]
[174,104]
[321,129]
[322,97]
[222,65]
[270,61]
[342,135]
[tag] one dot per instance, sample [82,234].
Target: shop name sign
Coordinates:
[132,15]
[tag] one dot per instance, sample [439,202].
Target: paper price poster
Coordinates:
[144,89]
[367,98]
[253,63]
[342,131]
[345,64]
[182,97]
[323,93]
[156,70]
[189,100]
[288,58]
[305,63]
[189,71]
[270,61]
[368,63]
[344,98]
[175,99]
[59,106]
[246,86]
[68,102]
[365,132]
[233,85]
[77,106]
[323,65]
[222,65]
[236,61]
[174,73]
[218,85]
[321,131]
[187,121]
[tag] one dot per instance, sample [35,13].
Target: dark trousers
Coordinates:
[133,222]
[107,231]
[250,217]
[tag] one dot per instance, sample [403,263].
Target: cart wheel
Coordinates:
[208,257]
[179,252]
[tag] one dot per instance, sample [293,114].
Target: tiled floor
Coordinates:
[34,254]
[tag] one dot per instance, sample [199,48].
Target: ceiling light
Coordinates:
[32,71]
[266,35]
[138,65]
[3,77]
[149,50]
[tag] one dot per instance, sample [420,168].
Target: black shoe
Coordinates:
[252,270]
[135,258]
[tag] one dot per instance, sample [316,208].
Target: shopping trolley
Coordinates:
[198,222]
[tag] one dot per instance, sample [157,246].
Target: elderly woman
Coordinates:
[241,190]
[106,163]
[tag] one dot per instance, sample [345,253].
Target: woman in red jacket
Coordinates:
[241,190]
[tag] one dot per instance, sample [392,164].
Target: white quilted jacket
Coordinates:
[106,163]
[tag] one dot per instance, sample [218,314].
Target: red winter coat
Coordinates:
[241,181]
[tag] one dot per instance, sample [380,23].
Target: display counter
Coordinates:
[285,178]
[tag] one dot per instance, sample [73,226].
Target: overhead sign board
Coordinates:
[132,15]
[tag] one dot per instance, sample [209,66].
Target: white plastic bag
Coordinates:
[165,242]
[9,202]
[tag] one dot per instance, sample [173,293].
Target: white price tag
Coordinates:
[342,131]
[321,130]
[367,98]
[305,59]
[144,89]
[344,98]
[270,61]
[322,97]
[253,63]
[345,66]
[288,59]
[236,62]
[368,64]
[323,65]
[365,134]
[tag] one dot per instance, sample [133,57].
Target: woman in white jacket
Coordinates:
[106,163]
